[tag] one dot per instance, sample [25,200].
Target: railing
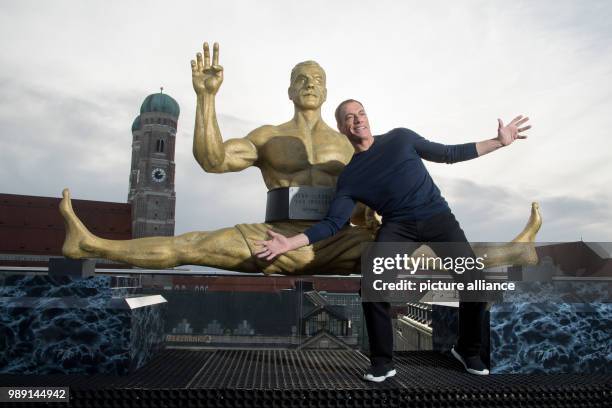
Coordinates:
[420,312]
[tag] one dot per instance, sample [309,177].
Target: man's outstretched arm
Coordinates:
[209,149]
[442,153]
[505,135]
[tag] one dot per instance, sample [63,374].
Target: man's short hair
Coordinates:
[339,109]
[304,64]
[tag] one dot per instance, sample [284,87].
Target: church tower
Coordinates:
[151,190]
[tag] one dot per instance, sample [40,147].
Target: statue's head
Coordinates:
[307,89]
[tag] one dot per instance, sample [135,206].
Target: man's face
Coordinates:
[307,89]
[354,122]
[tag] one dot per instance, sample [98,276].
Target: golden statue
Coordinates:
[304,151]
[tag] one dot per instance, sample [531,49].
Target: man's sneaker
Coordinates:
[472,364]
[379,373]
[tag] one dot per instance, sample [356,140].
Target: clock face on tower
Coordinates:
[158,175]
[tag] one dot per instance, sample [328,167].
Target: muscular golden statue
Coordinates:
[304,151]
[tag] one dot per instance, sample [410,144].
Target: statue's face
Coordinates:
[307,89]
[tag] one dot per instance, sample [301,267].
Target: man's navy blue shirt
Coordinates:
[390,177]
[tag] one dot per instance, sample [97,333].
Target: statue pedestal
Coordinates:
[541,327]
[70,324]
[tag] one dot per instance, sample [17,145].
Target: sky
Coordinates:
[73,75]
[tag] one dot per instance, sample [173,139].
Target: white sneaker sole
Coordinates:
[370,377]
[469,370]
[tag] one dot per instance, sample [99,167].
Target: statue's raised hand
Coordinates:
[207,78]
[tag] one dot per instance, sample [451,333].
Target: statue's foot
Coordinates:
[521,251]
[76,233]
[533,225]
[529,255]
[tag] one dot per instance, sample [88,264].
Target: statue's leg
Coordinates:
[337,255]
[225,248]
[520,251]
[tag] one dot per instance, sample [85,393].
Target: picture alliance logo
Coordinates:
[411,264]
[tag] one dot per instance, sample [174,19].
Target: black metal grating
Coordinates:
[287,378]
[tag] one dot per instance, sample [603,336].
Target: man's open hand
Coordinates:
[207,78]
[279,244]
[512,131]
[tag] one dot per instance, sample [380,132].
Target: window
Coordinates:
[159,147]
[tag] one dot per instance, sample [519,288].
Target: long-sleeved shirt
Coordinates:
[390,178]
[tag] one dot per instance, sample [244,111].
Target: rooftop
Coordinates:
[319,378]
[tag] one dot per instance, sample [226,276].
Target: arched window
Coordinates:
[159,147]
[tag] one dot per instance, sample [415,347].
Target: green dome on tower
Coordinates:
[160,102]
[136,124]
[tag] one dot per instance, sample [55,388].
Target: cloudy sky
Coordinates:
[73,75]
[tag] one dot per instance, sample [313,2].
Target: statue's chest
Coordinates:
[291,154]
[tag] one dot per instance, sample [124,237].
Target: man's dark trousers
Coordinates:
[439,228]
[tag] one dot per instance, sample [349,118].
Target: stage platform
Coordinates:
[287,378]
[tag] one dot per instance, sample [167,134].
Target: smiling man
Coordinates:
[387,174]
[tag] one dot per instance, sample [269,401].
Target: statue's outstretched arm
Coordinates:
[209,150]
